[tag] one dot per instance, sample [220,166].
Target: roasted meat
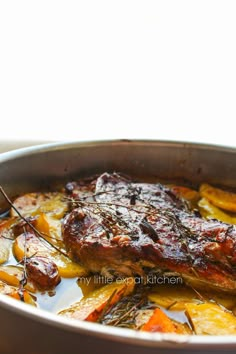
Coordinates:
[125,228]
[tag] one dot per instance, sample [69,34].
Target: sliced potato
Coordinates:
[29,245]
[211,319]
[90,307]
[50,228]
[6,238]
[12,275]
[173,297]
[218,197]
[210,211]
[32,204]
[14,292]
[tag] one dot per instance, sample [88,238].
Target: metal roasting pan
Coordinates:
[28,330]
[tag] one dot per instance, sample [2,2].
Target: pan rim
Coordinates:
[62,145]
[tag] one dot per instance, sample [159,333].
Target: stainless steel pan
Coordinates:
[32,331]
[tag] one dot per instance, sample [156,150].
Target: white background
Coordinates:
[118,69]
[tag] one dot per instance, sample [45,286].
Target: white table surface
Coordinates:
[106,69]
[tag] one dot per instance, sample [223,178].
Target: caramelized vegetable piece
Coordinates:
[209,211]
[218,197]
[90,307]
[16,293]
[159,322]
[43,272]
[6,237]
[13,275]
[211,319]
[186,193]
[32,204]
[35,246]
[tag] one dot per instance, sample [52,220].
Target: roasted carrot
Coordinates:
[159,322]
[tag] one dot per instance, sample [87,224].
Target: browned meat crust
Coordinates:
[126,228]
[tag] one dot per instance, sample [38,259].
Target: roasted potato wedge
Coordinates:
[211,319]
